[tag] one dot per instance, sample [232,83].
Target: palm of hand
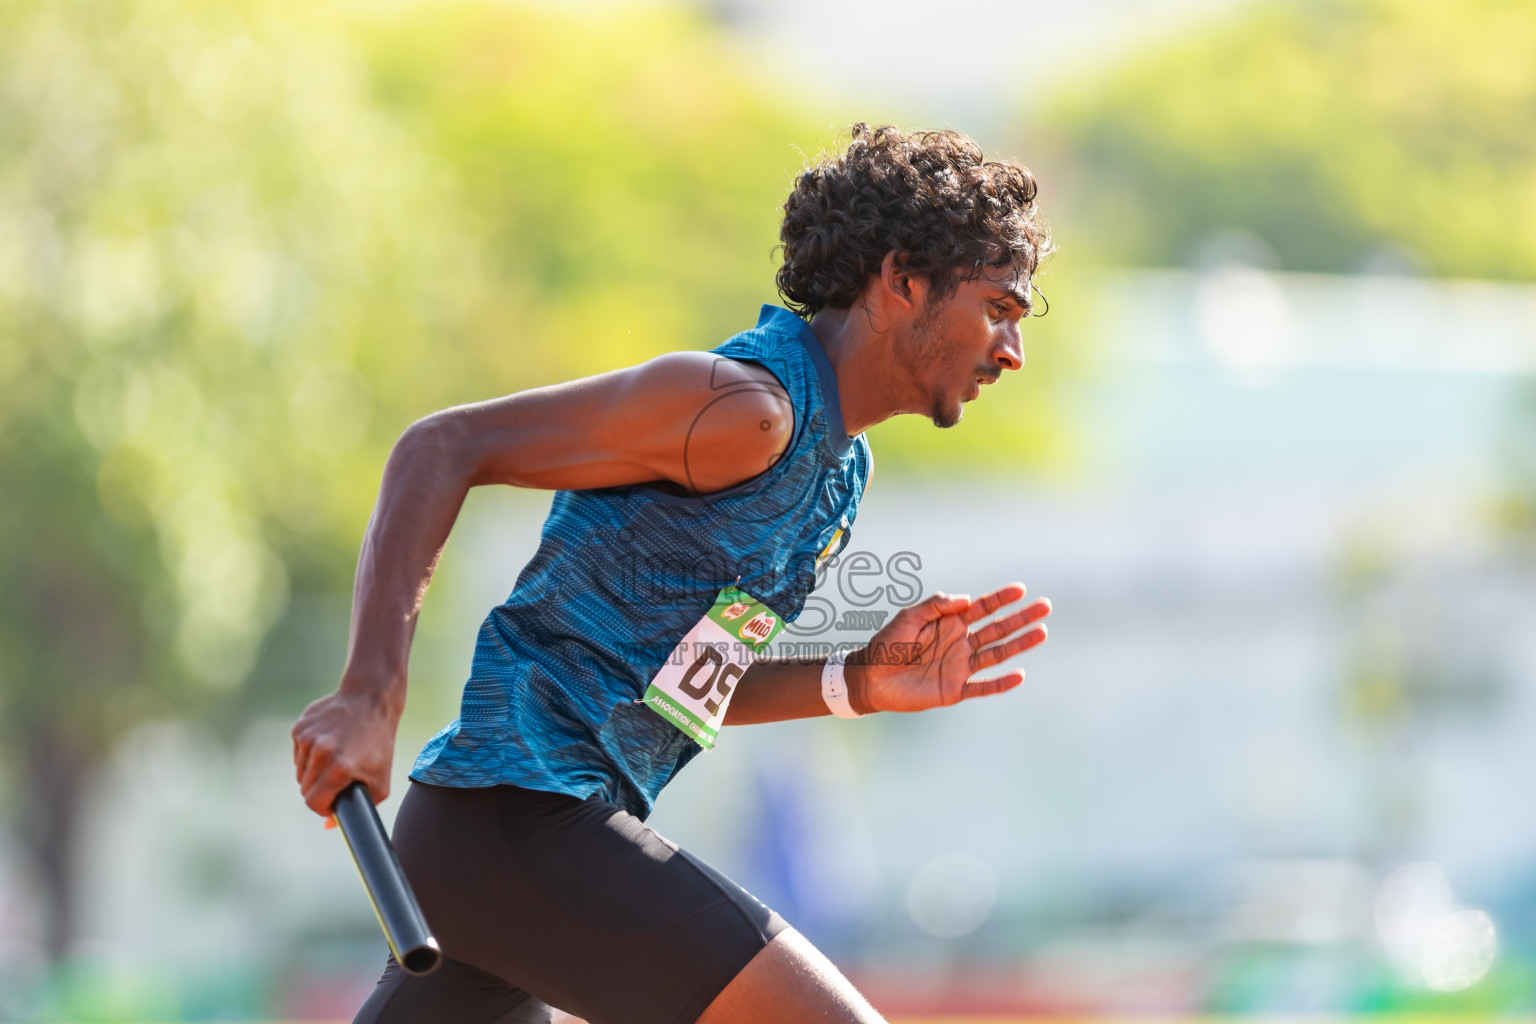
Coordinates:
[938,664]
[927,655]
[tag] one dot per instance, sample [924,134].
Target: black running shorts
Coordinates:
[542,900]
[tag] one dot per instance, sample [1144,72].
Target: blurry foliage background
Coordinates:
[1329,129]
[243,244]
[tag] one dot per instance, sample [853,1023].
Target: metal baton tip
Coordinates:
[394,904]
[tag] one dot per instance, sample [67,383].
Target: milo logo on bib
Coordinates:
[759,628]
[694,687]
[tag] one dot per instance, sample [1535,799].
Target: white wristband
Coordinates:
[834,687]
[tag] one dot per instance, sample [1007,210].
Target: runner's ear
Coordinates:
[897,281]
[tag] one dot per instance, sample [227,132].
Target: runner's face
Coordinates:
[968,339]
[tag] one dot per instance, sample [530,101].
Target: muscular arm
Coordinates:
[697,421]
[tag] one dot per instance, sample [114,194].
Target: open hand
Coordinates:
[927,654]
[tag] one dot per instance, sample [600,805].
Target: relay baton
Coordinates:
[405,929]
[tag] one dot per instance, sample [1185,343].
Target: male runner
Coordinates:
[698,495]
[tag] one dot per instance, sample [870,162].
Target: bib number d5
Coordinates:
[694,687]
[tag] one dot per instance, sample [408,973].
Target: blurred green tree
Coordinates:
[638,183]
[243,243]
[204,222]
[241,246]
[1333,129]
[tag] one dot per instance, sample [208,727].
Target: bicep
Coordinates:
[689,417]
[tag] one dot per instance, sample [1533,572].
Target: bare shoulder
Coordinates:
[724,395]
[740,418]
[707,370]
[694,419]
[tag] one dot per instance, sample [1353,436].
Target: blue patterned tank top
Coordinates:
[621,574]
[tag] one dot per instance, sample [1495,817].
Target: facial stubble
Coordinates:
[926,350]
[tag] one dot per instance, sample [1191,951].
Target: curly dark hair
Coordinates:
[930,195]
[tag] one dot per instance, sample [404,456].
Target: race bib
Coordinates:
[694,687]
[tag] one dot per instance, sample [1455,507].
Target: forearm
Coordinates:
[423,488]
[776,690]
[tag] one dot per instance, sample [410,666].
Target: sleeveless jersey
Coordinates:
[621,574]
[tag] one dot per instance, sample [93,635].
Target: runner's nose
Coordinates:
[1009,353]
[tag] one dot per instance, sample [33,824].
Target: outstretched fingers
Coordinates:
[1011,623]
[936,607]
[986,604]
[996,654]
[988,687]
